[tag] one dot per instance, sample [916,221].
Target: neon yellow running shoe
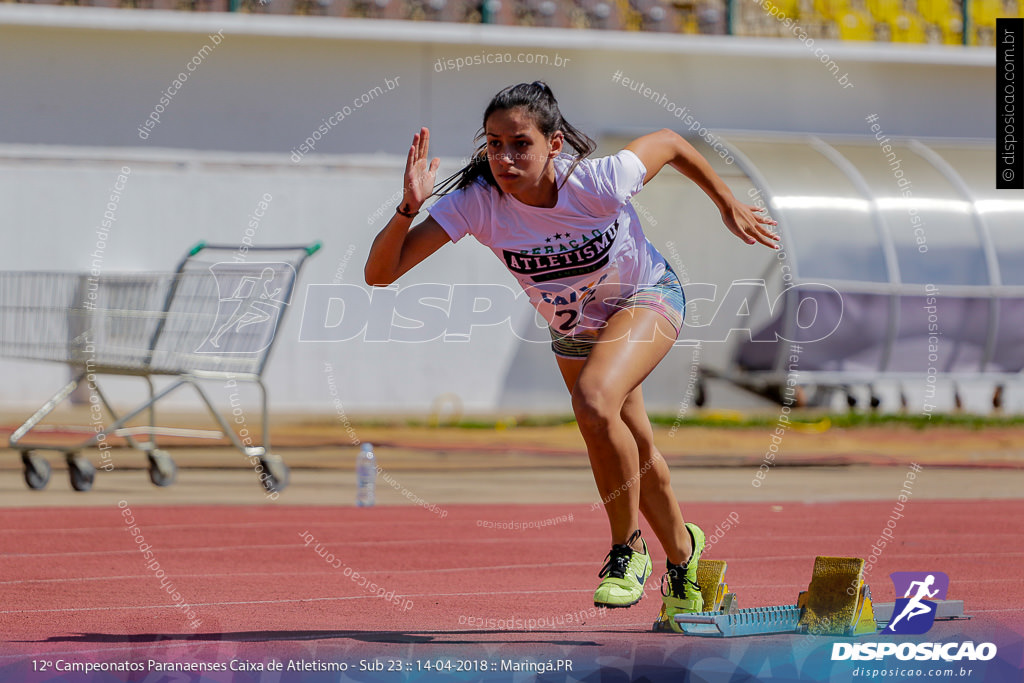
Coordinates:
[680,592]
[624,575]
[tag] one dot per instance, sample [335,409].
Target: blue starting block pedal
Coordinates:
[749,621]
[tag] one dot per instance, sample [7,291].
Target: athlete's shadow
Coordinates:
[399,637]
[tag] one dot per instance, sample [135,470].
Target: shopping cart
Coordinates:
[210,319]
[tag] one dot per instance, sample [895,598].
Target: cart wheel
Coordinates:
[274,466]
[81,471]
[162,470]
[37,470]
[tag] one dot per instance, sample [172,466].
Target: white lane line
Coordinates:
[347,525]
[427,541]
[227,525]
[222,548]
[233,575]
[328,599]
[128,608]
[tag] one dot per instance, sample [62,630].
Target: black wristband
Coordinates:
[405,213]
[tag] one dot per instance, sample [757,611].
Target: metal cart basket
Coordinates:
[214,318]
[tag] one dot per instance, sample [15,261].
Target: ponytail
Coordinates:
[540,102]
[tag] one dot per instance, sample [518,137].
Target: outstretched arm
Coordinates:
[396,249]
[666,147]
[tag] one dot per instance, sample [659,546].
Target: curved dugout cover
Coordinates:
[904,258]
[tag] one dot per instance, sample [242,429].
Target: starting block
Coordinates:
[825,608]
[828,607]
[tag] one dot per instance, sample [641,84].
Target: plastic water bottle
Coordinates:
[366,476]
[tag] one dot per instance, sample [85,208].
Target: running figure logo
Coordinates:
[248,315]
[914,613]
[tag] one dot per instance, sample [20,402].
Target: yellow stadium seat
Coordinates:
[952,26]
[884,10]
[631,19]
[856,25]
[908,28]
[984,12]
[688,24]
[1010,8]
[791,8]
[830,10]
[934,11]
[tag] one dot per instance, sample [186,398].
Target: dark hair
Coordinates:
[540,102]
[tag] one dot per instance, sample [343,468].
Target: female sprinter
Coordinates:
[564,227]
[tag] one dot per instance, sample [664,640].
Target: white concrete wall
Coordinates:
[77,83]
[85,76]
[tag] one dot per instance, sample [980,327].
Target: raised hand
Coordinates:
[749,223]
[419,174]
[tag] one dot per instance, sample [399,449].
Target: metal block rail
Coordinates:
[750,621]
[825,608]
[211,318]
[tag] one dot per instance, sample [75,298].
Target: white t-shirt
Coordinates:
[575,260]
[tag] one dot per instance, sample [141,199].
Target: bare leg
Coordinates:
[657,500]
[617,432]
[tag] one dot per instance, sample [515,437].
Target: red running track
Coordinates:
[73,580]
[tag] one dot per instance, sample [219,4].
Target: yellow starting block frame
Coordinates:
[837,602]
[713,588]
[827,607]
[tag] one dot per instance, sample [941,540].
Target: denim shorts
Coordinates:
[665,296]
